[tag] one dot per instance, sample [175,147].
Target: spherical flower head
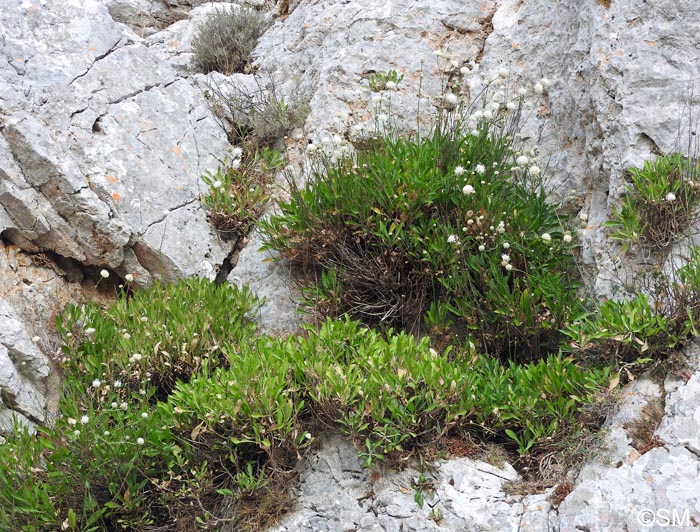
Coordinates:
[236,153]
[539,89]
[670,197]
[140,441]
[216,184]
[96,383]
[509,267]
[235,164]
[511,106]
[545,83]
[124,406]
[459,170]
[482,247]
[129,278]
[480,169]
[104,274]
[144,415]
[464,71]
[452,239]
[451,99]
[546,237]
[535,170]
[390,85]
[522,160]
[567,237]
[505,257]
[506,245]
[71,421]
[90,330]
[376,98]
[84,420]
[503,72]
[468,190]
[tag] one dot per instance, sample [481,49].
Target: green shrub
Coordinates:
[238,191]
[225,40]
[211,416]
[646,326]
[395,394]
[448,224]
[659,204]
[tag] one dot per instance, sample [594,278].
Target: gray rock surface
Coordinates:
[102,145]
[24,372]
[103,137]
[336,495]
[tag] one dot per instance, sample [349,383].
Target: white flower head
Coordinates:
[235,164]
[90,330]
[505,257]
[468,190]
[509,267]
[535,170]
[451,99]
[506,245]
[452,239]
[503,72]
[480,169]
[129,278]
[567,237]
[140,441]
[459,170]
[482,247]
[236,153]
[539,89]
[71,421]
[546,237]
[96,383]
[522,160]
[216,184]
[670,197]
[144,415]
[84,420]
[390,85]
[104,274]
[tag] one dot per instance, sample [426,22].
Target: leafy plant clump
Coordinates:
[646,326]
[182,411]
[660,202]
[225,40]
[449,232]
[238,190]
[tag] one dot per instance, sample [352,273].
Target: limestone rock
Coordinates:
[102,145]
[23,372]
[460,494]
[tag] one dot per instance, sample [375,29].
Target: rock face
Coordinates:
[102,146]
[104,135]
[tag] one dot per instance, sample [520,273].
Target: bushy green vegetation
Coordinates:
[659,204]
[444,244]
[177,405]
[238,190]
[447,232]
